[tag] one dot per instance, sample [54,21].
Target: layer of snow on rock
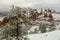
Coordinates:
[1,18]
[54,35]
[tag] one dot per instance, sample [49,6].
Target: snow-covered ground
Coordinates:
[56,16]
[54,35]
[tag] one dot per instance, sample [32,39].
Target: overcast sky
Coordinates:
[54,4]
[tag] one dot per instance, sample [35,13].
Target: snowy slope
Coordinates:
[54,35]
[1,18]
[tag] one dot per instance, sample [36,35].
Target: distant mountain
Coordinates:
[3,13]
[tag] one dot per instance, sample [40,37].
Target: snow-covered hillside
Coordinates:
[54,35]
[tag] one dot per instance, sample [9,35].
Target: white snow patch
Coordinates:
[1,18]
[34,27]
[56,16]
[54,35]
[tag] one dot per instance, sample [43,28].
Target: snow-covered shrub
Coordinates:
[43,27]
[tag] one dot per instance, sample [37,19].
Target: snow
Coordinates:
[56,16]
[1,18]
[54,35]
[58,26]
[34,27]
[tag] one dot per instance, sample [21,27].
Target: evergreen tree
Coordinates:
[43,27]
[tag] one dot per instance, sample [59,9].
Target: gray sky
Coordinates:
[54,4]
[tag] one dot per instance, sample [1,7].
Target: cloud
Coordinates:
[31,3]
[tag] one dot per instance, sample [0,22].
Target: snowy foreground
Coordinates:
[54,35]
